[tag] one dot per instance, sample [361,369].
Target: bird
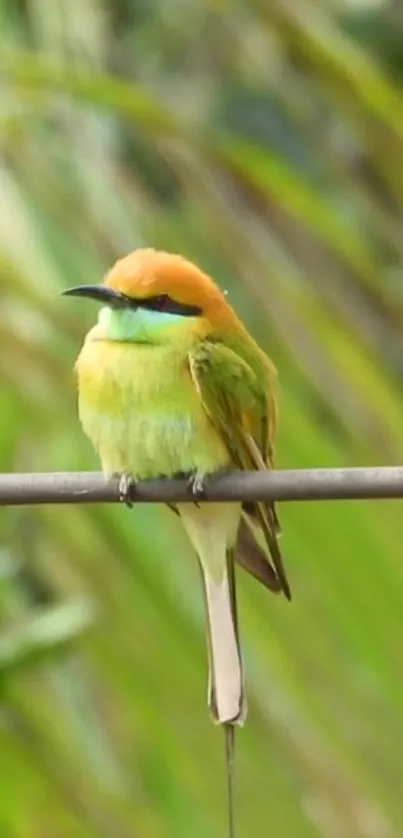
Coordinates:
[170,382]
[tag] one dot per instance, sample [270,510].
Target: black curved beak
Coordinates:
[100,293]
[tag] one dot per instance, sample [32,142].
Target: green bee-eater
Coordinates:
[170,382]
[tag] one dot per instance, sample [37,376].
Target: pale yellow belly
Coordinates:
[139,406]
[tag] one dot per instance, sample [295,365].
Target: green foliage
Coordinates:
[260,140]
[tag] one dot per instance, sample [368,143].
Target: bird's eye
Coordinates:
[162,302]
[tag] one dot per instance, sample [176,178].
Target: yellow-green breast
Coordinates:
[142,412]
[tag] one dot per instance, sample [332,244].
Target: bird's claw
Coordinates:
[127,486]
[196,486]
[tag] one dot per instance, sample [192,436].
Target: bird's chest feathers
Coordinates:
[139,406]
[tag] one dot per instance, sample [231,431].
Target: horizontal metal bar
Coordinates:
[285,485]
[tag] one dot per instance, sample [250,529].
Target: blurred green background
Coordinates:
[263,140]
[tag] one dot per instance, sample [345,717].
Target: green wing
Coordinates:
[243,411]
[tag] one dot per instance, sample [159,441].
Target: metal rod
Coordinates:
[287,485]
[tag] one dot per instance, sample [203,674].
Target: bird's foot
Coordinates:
[196,484]
[127,488]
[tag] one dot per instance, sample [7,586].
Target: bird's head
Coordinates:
[153,297]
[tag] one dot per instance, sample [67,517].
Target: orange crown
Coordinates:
[147,273]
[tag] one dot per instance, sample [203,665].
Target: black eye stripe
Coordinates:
[163,302]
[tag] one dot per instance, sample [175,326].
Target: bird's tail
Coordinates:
[226,695]
[211,528]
